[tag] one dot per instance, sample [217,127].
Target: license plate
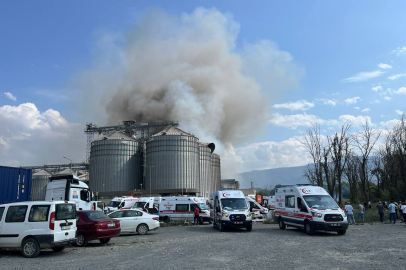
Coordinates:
[65,227]
[237,222]
[111,225]
[335,224]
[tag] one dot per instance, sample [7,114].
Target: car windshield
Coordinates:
[114,204]
[96,215]
[320,202]
[139,204]
[230,204]
[203,206]
[65,211]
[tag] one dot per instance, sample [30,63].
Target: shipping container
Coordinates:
[15,184]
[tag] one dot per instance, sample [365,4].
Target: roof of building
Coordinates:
[116,136]
[171,130]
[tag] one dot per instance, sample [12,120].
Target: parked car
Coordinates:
[94,225]
[33,226]
[135,221]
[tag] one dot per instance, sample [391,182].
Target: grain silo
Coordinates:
[115,164]
[40,181]
[205,182]
[172,163]
[215,172]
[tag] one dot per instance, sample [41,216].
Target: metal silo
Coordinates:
[40,181]
[175,155]
[205,170]
[215,172]
[115,164]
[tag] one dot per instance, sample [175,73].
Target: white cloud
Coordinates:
[31,137]
[401,90]
[353,100]
[366,110]
[399,112]
[390,124]
[307,120]
[400,50]
[377,88]
[387,98]
[364,76]
[384,66]
[10,96]
[357,108]
[375,101]
[331,102]
[294,106]
[397,76]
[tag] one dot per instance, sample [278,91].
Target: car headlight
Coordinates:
[225,215]
[248,215]
[319,215]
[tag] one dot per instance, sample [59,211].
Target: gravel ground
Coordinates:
[378,246]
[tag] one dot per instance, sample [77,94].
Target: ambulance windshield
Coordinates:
[232,204]
[139,204]
[320,202]
[203,206]
[114,204]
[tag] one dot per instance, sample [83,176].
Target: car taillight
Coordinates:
[52,221]
[155,218]
[118,223]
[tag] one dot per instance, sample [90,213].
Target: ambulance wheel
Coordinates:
[309,228]
[282,225]
[201,221]
[221,227]
[342,232]
[249,227]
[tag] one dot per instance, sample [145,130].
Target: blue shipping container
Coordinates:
[15,184]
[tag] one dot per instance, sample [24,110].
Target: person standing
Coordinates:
[369,204]
[401,212]
[392,212]
[361,210]
[350,214]
[380,211]
[404,211]
[197,213]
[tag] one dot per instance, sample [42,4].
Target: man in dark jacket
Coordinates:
[380,210]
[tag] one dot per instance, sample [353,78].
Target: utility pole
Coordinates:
[150,180]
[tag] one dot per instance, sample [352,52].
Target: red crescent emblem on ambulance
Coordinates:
[306,191]
[226,194]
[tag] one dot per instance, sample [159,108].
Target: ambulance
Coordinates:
[257,210]
[310,208]
[230,209]
[182,208]
[150,204]
[269,202]
[124,202]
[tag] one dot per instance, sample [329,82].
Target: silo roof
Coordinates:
[116,136]
[42,172]
[171,130]
[67,171]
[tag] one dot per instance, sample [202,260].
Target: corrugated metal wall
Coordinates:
[205,171]
[115,165]
[15,184]
[39,187]
[177,162]
[215,172]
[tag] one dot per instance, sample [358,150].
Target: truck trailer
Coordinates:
[15,184]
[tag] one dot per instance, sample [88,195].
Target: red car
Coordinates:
[94,225]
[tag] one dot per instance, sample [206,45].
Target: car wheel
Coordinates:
[142,229]
[309,228]
[282,225]
[30,248]
[58,249]
[342,232]
[249,227]
[81,240]
[104,240]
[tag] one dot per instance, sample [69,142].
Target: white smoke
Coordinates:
[188,69]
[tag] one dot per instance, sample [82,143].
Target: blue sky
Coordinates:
[46,44]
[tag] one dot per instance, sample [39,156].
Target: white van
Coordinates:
[122,203]
[149,204]
[182,208]
[32,226]
[308,207]
[230,209]
[257,210]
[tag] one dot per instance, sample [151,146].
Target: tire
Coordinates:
[58,249]
[309,228]
[142,229]
[166,219]
[342,232]
[104,240]
[30,248]
[249,227]
[201,221]
[221,227]
[81,240]
[282,225]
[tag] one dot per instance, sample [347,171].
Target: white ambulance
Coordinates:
[150,204]
[182,208]
[308,207]
[122,203]
[230,209]
[257,210]
[270,202]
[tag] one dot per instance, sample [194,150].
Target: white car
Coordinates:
[135,221]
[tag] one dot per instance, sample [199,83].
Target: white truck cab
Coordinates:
[121,203]
[230,209]
[32,226]
[308,207]
[182,208]
[69,188]
[257,210]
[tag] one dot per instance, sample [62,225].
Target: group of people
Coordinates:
[395,209]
